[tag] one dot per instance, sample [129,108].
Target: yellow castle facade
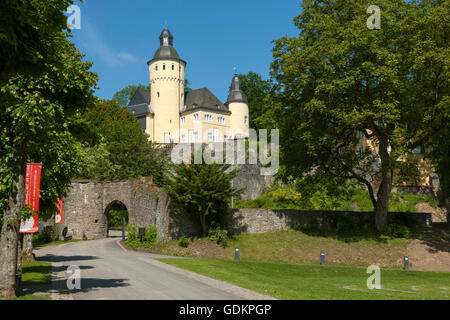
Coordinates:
[170,114]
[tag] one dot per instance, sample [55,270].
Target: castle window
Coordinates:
[221,120]
[156,67]
[158,94]
[173,67]
[207,117]
[210,136]
[164,66]
[183,120]
[216,135]
[196,117]
[246,120]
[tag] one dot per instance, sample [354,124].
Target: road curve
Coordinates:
[108,272]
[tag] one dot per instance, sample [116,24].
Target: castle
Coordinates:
[171,114]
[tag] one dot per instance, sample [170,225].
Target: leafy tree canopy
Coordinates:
[29,30]
[339,80]
[202,190]
[35,116]
[122,151]
[259,94]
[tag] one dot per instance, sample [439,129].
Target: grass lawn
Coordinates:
[296,247]
[36,274]
[315,282]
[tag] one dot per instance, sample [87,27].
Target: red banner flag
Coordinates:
[187,160]
[59,210]
[32,189]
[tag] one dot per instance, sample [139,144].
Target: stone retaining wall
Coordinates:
[87,204]
[263,220]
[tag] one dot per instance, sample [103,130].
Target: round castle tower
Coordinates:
[238,105]
[167,72]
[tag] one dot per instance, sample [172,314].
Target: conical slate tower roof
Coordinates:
[166,49]
[236,94]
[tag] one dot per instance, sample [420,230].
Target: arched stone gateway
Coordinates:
[87,203]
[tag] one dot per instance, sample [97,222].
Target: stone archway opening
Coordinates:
[115,212]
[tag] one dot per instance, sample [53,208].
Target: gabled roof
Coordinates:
[140,103]
[141,96]
[203,99]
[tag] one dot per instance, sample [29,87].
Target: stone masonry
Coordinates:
[87,204]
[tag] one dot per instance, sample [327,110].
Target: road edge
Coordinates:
[218,284]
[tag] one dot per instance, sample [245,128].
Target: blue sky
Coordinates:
[119,37]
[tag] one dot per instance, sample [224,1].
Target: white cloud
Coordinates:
[127,57]
[105,53]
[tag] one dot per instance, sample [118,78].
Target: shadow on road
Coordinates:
[90,284]
[53,258]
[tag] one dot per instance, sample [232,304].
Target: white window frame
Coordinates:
[210,136]
[216,135]
[166,137]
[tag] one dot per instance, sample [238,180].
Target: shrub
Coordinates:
[401,225]
[134,240]
[44,236]
[184,241]
[132,230]
[116,213]
[219,235]
[202,191]
[151,235]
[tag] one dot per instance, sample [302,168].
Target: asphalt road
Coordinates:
[109,272]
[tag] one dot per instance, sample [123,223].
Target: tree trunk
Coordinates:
[381,210]
[203,222]
[10,234]
[384,191]
[27,248]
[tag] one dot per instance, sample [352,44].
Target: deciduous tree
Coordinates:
[339,80]
[35,114]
